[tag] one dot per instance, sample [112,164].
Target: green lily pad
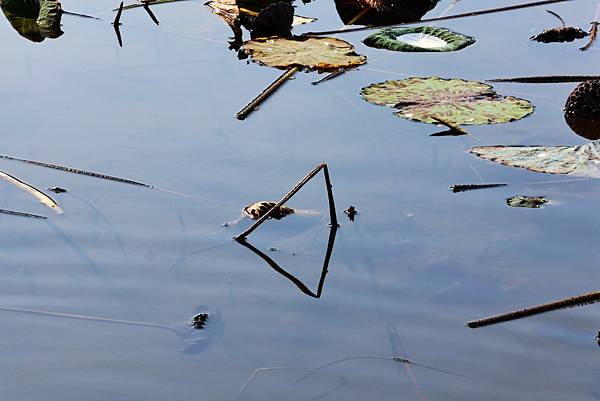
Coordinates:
[418,39]
[321,54]
[580,161]
[455,101]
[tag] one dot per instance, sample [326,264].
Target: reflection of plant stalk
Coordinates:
[590,297]
[290,276]
[454,16]
[242,114]
[551,79]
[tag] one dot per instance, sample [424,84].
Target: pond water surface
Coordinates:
[404,277]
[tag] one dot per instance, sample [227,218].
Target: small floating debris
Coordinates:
[258,209]
[199,321]
[351,212]
[560,34]
[531,202]
[470,187]
[57,190]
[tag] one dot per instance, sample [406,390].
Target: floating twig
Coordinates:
[587,298]
[242,114]
[42,197]
[22,214]
[383,358]
[562,21]
[552,79]
[332,75]
[77,171]
[290,276]
[293,191]
[592,37]
[454,16]
[470,187]
[79,15]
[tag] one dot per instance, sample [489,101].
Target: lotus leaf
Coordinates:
[453,100]
[321,54]
[582,161]
[32,19]
[418,39]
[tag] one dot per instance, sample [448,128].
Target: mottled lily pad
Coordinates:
[580,161]
[321,54]
[453,100]
[418,39]
[531,202]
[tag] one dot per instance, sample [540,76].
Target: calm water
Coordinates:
[416,264]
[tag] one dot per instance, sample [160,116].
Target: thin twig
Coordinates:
[293,191]
[22,214]
[383,358]
[590,297]
[77,171]
[242,114]
[592,37]
[551,79]
[80,15]
[562,21]
[332,75]
[111,178]
[454,16]
[470,187]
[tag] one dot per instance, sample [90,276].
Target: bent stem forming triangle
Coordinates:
[333,219]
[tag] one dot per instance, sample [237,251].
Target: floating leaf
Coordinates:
[453,100]
[581,161]
[418,39]
[321,54]
[42,197]
[563,33]
[34,20]
[531,202]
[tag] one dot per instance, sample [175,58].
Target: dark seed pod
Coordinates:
[258,209]
[566,34]
[584,101]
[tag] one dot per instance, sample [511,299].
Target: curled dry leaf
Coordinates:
[453,100]
[42,197]
[580,161]
[320,54]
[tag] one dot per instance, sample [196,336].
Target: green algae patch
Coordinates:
[531,202]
